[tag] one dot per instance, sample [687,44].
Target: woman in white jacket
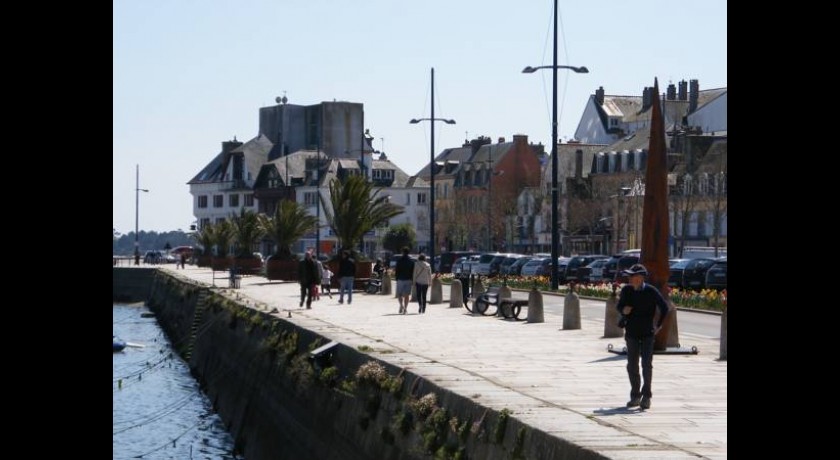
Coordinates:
[422,279]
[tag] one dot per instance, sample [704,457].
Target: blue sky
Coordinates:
[191,74]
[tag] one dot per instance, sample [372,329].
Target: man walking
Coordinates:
[638,302]
[308,277]
[404,273]
[346,276]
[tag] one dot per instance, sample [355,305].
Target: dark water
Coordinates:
[158,410]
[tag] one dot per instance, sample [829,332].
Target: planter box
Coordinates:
[249,266]
[220,264]
[286,270]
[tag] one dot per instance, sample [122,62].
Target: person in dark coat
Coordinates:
[346,276]
[308,277]
[638,303]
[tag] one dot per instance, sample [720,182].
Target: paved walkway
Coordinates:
[562,382]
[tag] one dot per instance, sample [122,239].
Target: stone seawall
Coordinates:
[279,401]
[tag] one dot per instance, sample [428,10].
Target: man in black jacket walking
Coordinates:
[638,303]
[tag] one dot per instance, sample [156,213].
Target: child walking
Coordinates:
[326,277]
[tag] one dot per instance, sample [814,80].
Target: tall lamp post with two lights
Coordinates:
[137,191]
[555,232]
[432,119]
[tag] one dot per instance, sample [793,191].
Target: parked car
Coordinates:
[677,266]
[465,264]
[531,267]
[617,263]
[694,274]
[516,267]
[716,275]
[504,267]
[448,258]
[577,262]
[592,273]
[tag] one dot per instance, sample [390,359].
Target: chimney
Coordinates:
[646,98]
[672,92]
[228,146]
[693,94]
[501,140]
[599,95]
[579,163]
[683,93]
[478,142]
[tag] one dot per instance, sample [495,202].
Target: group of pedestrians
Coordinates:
[417,273]
[312,275]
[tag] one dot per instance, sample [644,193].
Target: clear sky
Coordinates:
[190,74]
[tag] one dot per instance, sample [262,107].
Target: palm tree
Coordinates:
[206,238]
[224,233]
[290,222]
[246,232]
[356,209]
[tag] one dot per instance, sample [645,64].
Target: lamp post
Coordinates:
[432,119]
[137,191]
[555,232]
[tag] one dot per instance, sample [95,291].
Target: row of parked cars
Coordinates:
[697,274]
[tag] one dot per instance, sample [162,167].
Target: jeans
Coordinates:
[422,289]
[639,347]
[345,284]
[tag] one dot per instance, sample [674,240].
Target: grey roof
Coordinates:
[640,139]
[298,172]
[630,107]
[254,152]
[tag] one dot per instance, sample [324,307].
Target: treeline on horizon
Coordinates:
[124,243]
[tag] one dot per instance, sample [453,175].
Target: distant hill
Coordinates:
[124,244]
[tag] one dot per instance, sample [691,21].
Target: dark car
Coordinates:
[676,272]
[617,263]
[694,273]
[578,262]
[716,275]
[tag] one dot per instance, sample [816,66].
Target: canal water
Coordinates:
[158,410]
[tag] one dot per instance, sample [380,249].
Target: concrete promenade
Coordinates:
[562,382]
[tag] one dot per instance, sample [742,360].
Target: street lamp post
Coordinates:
[432,119]
[555,232]
[137,191]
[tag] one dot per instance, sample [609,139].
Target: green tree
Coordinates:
[357,208]
[206,238]
[247,232]
[290,223]
[398,236]
[224,237]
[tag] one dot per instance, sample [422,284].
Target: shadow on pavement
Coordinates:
[621,410]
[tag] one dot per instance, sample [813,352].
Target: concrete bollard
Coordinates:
[535,307]
[386,284]
[478,288]
[504,293]
[436,295]
[611,328]
[723,334]
[455,294]
[571,310]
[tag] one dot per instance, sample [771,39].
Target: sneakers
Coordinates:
[635,402]
[645,403]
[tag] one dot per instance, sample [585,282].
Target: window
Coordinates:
[687,185]
[218,201]
[703,184]
[233,200]
[249,200]
[219,220]
[205,221]
[407,199]
[310,198]
[446,190]
[421,198]
[202,201]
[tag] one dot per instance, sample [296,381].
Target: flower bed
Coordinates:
[707,299]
